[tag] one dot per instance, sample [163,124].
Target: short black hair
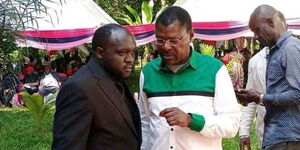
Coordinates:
[104,33]
[175,13]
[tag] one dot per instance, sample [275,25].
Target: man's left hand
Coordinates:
[175,116]
[245,143]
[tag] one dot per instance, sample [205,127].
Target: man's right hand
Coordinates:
[175,116]
[245,142]
[247,96]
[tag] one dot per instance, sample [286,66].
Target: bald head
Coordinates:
[107,32]
[264,11]
[268,24]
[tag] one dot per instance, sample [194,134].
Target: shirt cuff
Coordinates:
[197,122]
[244,136]
[268,98]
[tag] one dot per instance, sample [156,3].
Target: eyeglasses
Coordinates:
[171,42]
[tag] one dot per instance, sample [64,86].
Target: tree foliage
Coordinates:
[207,50]
[15,15]
[146,11]
[139,12]
[38,106]
[116,7]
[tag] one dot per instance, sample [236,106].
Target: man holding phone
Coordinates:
[282,98]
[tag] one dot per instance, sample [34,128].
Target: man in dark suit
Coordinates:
[94,108]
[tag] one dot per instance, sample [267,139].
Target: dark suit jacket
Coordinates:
[90,115]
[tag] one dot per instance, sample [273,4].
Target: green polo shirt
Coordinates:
[197,77]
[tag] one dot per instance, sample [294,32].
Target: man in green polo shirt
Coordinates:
[187,101]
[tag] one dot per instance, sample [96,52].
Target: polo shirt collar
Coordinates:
[192,62]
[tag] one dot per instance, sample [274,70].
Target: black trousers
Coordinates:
[284,146]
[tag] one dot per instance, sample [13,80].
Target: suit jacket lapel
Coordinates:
[106,83]
[136,111]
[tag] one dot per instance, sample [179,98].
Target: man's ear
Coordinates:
[99,52]
[192,34]
[270,22]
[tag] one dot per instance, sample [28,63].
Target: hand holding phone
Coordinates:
[247,96]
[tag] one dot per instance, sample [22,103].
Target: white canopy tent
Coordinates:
[67,23]
[238,10]
[71,14]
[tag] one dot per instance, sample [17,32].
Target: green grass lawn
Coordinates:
[18,130]
[233,143]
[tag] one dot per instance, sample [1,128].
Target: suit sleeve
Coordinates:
[225,121]
[72,119]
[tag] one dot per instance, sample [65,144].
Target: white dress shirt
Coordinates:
[256,81]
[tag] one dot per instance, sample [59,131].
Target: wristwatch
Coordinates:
[261,100]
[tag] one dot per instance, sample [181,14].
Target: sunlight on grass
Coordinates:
[18,131]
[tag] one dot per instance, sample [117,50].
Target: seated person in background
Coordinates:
[31,81]
[8,86]
[38,67]
[50,81]
[69,71]
[75,66]
[61,69]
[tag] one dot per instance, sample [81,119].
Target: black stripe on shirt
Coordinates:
[180,93]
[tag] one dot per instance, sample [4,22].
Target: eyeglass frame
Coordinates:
[167,41]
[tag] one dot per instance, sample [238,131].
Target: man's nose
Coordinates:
[166,46]
[130,58]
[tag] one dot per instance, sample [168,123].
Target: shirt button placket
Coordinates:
[173,80]
[174,86]
[172,136]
